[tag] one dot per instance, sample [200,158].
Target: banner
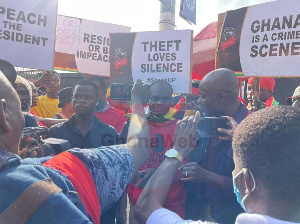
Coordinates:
[262,40]
[188,10]
[167,2]
[27,32]
[83,45]
[150,56]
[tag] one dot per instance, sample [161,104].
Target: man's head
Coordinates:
[34,95]
[85,97]
[266,88]
[11,117]
[219,90]
[65,97]
[101,85]
[160,100]
[9,71]
[24,92]
[52,88]
[296,97]
[266,156]
[65,100]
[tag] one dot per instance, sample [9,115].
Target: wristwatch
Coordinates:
[172,153]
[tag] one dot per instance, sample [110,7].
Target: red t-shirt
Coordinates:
[161,140]
[113,117]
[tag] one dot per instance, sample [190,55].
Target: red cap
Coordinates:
[267,83]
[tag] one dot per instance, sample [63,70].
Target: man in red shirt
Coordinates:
[266,98]
[162,131]
[104,112]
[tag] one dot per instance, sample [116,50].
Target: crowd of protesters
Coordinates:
[148,155]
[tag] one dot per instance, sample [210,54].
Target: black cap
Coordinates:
[65,95]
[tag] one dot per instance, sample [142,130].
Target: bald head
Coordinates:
[219,92]
[221,80]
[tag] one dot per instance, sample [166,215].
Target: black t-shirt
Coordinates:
[30,120]
[100,134]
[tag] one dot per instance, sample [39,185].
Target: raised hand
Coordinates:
[232,124]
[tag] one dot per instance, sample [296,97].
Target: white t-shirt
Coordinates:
[164,216]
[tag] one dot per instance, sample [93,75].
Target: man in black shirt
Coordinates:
[83,129]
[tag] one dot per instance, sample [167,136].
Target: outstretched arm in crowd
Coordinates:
[156,190]
[139,133]
[49,121]
[112,167]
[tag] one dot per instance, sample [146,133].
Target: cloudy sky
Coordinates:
[143,15]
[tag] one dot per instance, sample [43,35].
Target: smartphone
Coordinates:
[120,91]
[207,126]
[191,98]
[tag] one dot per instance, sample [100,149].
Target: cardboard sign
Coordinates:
[188,10]
[262,40]
[27,32]
[150,56]
[83,45]
[67,35]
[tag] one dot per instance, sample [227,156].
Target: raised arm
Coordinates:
[156,190]
[138,138]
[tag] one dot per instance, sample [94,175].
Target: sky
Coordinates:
[143,15]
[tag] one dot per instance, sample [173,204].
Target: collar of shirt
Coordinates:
[5,158]
[103,109]
[93,123]
[258,219]
[241,114]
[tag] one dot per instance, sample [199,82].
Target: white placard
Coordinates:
[67,34]
[93,48]
[270,40]
[27,32]
[150,56]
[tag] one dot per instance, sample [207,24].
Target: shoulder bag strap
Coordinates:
[28,202]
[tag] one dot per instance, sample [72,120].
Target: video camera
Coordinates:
[32,144]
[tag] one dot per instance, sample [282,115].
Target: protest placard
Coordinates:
[67,34]
[262,40]
[188,10]
[27,32]
[150,56]
[83,45]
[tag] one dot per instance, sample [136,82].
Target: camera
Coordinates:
[32,144]
[120,91]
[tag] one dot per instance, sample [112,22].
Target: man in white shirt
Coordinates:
[266,178]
